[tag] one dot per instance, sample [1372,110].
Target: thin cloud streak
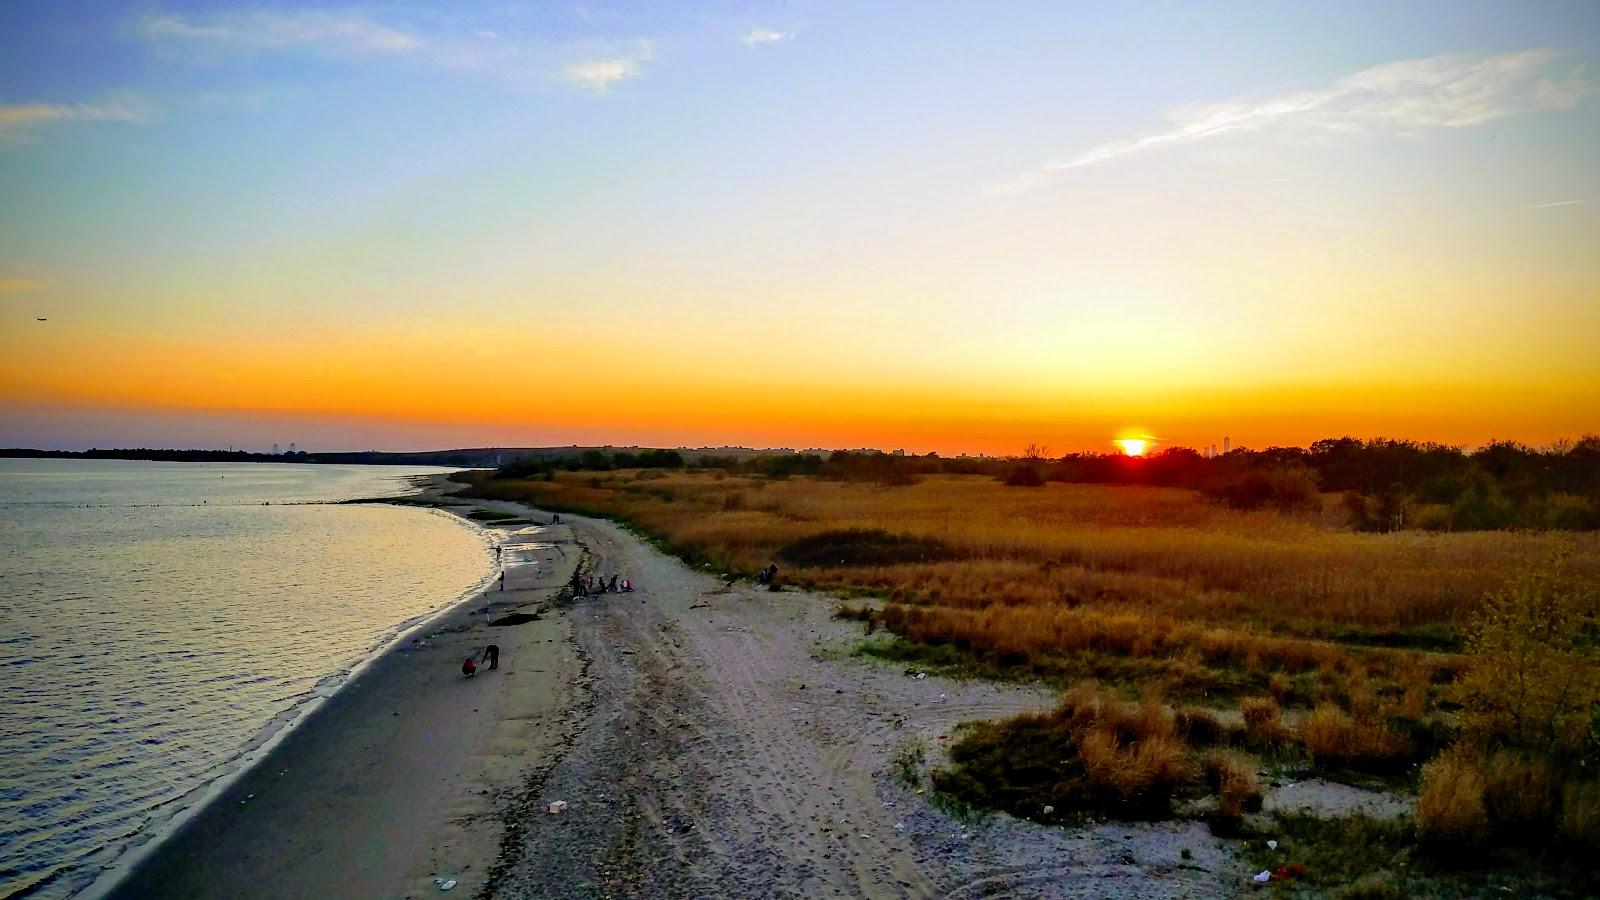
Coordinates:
[19,117]
[324,31]
[1555,204]
[520,63]
[1399,98]
[757,36]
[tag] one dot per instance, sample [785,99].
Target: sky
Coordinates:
[957,227]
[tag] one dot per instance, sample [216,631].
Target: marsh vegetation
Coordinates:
[1196,642]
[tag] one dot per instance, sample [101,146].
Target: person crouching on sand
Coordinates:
[468,667]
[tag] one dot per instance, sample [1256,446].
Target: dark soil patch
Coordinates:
[864,547]
[516,619]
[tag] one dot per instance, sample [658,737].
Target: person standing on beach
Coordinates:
[502,579]
[491,655]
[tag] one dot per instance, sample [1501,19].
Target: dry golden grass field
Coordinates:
[1229,632]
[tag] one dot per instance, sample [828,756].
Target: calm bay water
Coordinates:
[157,621]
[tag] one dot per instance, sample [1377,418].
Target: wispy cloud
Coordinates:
[329,32]
[757,36]
[1556,203]
[18,118]
[518,61]
[600,72]
[599,75]
[1402,97]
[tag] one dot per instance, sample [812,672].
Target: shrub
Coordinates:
[1198,726]
[1533,672]
[863,547]
[1233,779]
[1332,735]
[1287,488]
[1025,475]
[1089,755]
[1520,794]
[1579,824]
[907,760]
[1263,721]
[1139,776]
[1450,811]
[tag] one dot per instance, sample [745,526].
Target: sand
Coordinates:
[706,739]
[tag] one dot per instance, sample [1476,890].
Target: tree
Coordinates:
[1533,673]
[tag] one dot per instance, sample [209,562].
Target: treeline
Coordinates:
[153,455]
[459,458]
[590,461]
[1387,485]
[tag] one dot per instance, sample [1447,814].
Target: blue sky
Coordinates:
[1076,214]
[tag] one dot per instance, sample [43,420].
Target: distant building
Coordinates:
[274,448]
[1227,445]
[291,446]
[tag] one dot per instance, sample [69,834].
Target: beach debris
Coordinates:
[1049,810]
[558,806]
[1272,845]
[921,675]
[445,884]
[1263,876]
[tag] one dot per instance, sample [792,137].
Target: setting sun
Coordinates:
[1133,446]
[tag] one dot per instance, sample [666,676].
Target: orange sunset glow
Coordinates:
[954,282]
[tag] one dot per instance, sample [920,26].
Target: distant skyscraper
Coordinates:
[274,448]
[291,446]
[1227,444]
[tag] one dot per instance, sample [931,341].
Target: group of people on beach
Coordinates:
[593,586]
[768,574]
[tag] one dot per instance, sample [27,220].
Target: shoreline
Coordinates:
[318,714]
[260,745]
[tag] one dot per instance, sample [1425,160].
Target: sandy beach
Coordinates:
[401,775]
[706,738]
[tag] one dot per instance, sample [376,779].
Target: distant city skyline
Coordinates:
[960,227]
